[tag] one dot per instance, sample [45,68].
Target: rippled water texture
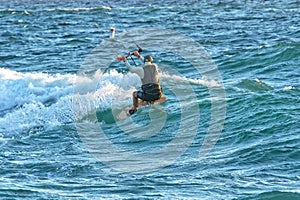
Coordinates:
[57,77]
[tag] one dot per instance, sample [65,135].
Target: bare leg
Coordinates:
[135,100]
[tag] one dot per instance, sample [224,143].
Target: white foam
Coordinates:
[112,89]
[287,88]
[32,99]
[183,80]
[39,99]
[19,88]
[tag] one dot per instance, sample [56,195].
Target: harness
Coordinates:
[151,92]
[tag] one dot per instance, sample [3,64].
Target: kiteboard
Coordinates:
[125,113]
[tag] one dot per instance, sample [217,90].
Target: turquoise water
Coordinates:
[61,87]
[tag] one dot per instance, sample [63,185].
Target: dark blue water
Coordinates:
[228,130]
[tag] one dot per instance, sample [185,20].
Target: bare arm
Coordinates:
[141,58]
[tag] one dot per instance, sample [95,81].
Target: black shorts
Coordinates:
[150,92]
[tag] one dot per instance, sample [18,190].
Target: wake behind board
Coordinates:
[125,113]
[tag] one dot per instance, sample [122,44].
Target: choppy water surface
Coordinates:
[45,45]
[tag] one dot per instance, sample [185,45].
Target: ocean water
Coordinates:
[228,130]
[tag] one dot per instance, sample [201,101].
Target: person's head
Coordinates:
[148,58]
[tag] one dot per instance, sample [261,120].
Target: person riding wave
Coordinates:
[151,88]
